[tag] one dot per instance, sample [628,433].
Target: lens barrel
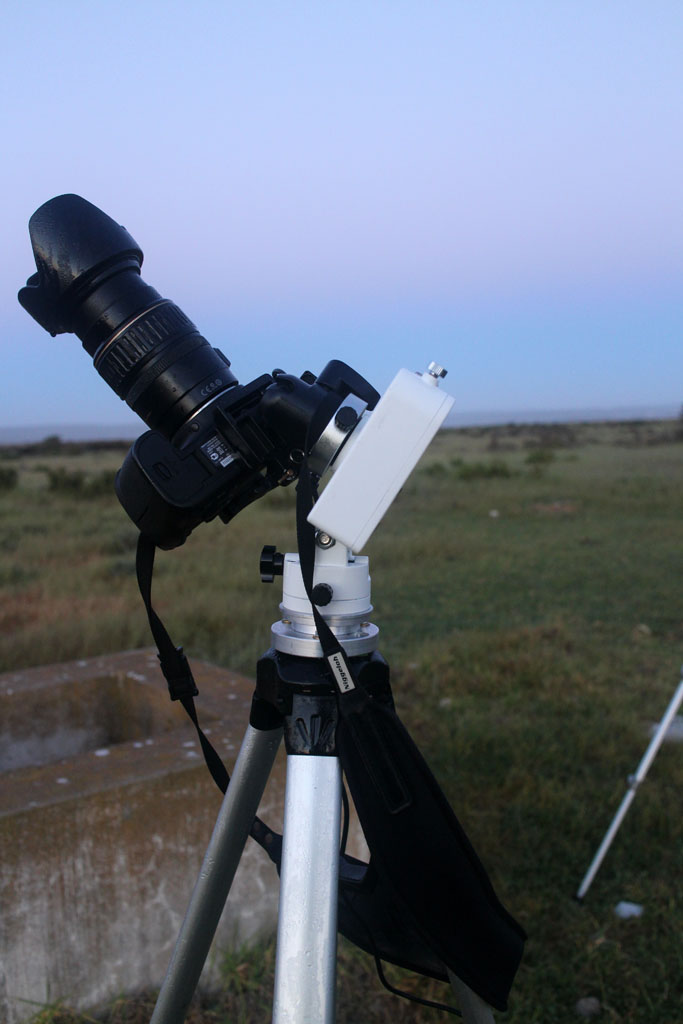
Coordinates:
[146,349]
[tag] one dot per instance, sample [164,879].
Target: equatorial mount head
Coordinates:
[341,592]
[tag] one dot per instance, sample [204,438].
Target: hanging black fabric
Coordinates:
[422,852]
[420,855]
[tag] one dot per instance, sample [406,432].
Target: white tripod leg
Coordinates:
[634,782]
[305,967]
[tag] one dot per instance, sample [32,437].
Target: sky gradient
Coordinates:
[495,186]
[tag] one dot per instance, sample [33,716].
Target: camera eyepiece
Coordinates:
[88,283]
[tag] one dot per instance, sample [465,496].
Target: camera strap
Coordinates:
[351,696]
[182,687]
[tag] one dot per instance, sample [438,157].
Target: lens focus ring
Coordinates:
[129,347]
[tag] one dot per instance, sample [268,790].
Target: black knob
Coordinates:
[271,564]
[345,418]
[322,594]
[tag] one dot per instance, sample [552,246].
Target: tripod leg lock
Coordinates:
[312,725]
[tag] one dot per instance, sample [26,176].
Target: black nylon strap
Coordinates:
[174,664]
[306,496]
[182,687]
[352,698]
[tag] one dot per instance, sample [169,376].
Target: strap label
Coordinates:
[340,673]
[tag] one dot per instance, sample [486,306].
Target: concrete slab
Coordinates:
[106,808]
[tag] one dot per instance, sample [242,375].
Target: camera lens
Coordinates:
[162,366]
[88,282]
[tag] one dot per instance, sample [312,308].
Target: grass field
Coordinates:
[527,587]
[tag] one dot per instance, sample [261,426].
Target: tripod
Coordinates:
[634,782]
[295,698]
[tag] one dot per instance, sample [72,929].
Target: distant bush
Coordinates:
[102,483]
[8,478]
[75,482]
[64,481]
[539,459]
[50,445]
[483,470]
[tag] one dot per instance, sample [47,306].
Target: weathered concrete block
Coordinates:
[106,808]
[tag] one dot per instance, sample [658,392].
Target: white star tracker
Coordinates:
[379,456]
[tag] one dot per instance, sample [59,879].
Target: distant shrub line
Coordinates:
[54,445]
[76,482]
[537,460]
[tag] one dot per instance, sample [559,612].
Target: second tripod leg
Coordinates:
[223,854]
[305,969]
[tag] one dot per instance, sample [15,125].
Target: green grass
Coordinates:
[532,618]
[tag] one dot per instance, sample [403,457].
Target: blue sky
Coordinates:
[493,185]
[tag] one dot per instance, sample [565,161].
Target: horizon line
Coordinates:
[82,431]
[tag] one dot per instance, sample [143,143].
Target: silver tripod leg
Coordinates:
[305,966]
[249,778]
[634,782]
[305,969]
[474,1009]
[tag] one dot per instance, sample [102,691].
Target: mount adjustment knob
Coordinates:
[271,563]
[322,594]
[345,418]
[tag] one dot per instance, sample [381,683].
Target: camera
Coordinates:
[214,445]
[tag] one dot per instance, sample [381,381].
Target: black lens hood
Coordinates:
[76,246]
